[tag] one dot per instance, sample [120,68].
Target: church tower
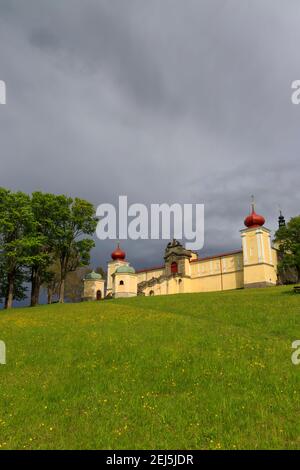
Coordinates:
[258,255]
[118,259]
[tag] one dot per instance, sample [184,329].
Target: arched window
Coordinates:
[174,267]
[151,292]
[121,283]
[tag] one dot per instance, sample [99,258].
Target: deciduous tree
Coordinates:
[16,241]
[74,220]
[45,209]
[288,240]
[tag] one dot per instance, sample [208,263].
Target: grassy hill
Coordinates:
[198,371]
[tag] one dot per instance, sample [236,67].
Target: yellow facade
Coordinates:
[124,285]
[254,265]
[93,289]
[259,257]
[112,266]
[210,274]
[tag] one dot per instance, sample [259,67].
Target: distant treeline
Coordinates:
[43,238]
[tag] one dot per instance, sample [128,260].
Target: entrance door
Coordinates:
[99,295]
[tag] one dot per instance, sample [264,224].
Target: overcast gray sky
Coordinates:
[161,100]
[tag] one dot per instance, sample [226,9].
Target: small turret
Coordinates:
[281,220]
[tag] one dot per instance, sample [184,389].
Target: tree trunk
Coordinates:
[10,291]
[62,291]
[35,288]
[49,296]
[63,274]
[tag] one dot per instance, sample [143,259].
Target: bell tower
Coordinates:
[258,257]
[117,259]
[177,259]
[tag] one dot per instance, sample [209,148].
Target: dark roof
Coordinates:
[221,255]
[149,269]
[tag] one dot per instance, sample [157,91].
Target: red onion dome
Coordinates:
[254,220]
[118,254]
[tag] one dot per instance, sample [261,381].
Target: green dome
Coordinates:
[125,269]
[93,276]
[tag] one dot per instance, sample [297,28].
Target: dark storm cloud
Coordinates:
[165,101]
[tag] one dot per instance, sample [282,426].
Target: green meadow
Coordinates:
[191,371]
